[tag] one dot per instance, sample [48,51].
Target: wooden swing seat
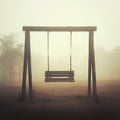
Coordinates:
[59,76]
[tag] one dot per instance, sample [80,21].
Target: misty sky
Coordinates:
[105,14]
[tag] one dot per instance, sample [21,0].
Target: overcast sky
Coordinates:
[105,14]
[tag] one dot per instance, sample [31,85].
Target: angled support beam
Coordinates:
[93,65]
[91,69]
[89,66]
[27,64]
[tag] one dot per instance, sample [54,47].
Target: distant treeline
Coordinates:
[108,63]
[11,55]
[11,62]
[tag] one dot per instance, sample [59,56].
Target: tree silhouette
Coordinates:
[11,54]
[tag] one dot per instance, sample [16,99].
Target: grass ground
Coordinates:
[64,101]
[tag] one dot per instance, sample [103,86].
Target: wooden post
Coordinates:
[29,66]
[27,62]
[93,64]
[25,67]
[89,66]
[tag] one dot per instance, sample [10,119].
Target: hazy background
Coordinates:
[104,14]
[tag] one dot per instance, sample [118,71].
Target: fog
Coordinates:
[107,62]
[107,65]
[102,14]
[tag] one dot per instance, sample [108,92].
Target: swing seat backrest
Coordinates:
[59,76]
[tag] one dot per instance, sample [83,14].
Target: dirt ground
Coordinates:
[61,101]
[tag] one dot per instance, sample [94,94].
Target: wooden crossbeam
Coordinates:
[59,28]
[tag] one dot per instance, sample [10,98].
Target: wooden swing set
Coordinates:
[58,76]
